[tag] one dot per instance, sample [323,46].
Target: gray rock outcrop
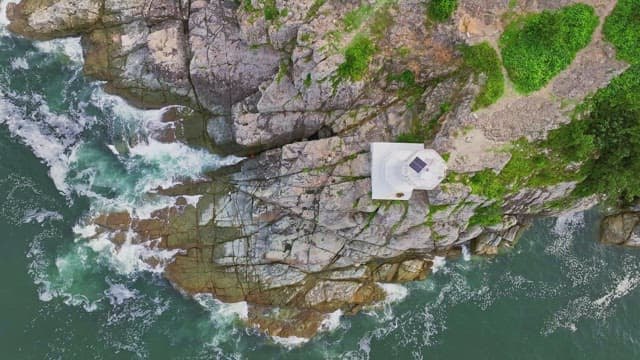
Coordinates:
[293,226]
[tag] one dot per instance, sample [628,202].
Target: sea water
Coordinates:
[68,150]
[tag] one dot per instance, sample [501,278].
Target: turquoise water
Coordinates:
[558,294]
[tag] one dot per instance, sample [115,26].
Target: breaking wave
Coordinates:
[95,147]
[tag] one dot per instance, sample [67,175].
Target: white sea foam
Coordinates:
[624,286]
[113,149]
[85,231]
[289,342]
[395,292]
[220,311]
[331,321]
[3,16]
[176,161]
[466,254]
[119,293]
[439,263]
[567,224]
[19,63]
[35,132]
[130,258]
[68,46]
[40,215]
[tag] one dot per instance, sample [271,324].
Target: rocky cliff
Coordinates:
[301,87]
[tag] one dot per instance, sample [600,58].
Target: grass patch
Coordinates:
[487,216]
[599,149]
[610,127]
[357,55]
[483,59]
[283,70]
[354,18]
[314,8]
[537,47]
[420,130]
[532,165]
[622,29]
[441,10]
[270,10]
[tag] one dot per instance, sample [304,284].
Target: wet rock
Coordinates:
[51,18]
[621,229]
[293,229]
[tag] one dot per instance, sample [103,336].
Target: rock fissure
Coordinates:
[293,226]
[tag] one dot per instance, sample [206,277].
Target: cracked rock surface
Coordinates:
[293,226]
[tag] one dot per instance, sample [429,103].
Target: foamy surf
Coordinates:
[439,262]
[54,151]
[40,215]
[95,146]
[289,342]
[3,17]
[395,292]
[331,321]
[119,293]
[70,47]
[130,258]
[220,311]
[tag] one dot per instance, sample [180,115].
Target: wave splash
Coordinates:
[97,148]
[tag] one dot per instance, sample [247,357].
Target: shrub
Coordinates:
[354,18]
[612,120]
[441,10]
[482,58]
[487,216]
[622,29]
[270,10]
[315,7]
[357,56]
[537,47]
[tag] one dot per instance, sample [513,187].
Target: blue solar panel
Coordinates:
[417,164]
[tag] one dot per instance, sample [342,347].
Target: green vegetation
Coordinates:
[441,10]
[360,50]
[532,165]
[313,10]
[357,56]
[248,7]
[537,47]
[409,89]
[270,10]
[382,20]
[622,29]
[610,129]
[354,18]
[283,70]
[599,149]
[487,216]
[483,59]
[422,130]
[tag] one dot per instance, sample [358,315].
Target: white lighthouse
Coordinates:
[399,168]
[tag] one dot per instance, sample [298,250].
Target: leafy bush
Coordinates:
[487,216]
[357,56]
[622,29]
[537,47]
[612,121]
[410,137]
[441,10]
[482,58]
[354,18]
[270,10]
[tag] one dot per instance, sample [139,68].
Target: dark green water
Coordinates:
[558,295]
